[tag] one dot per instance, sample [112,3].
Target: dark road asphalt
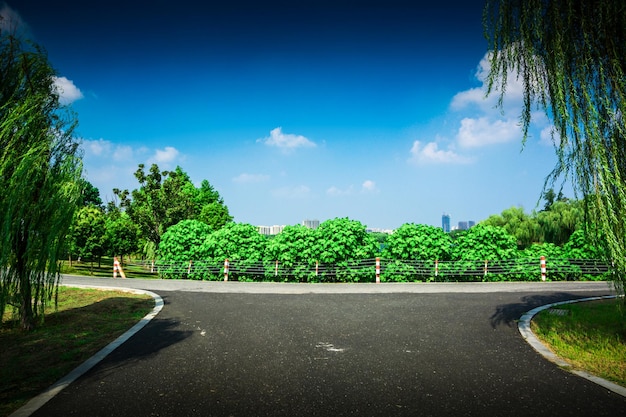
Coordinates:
[324,354]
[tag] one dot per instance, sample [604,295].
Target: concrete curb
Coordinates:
[524,328]
[37,402]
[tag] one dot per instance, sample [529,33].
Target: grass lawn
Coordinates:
[86,321]
[104,268]
[591,336]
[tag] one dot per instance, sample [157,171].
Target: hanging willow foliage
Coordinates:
[39,179]
[571,57]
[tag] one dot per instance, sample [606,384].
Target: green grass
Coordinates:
[86,321]
[104,268]
[591,336]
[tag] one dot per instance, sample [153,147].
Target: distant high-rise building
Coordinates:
[445,223]
[311,224]
[471,223]
[463,225]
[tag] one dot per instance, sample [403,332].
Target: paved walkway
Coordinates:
[240,349]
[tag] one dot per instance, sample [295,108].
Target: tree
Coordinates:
[418,242]
[517,223]
[571,58]
[293,248]
[339,242]
[182,243]
[40,170]
[121,234]
[483,242]
[87,233]
[165,198]
[411,252]
[561,220]
[91,195]
[240,243]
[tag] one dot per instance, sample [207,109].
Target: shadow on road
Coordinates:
[159,334]
[509,314]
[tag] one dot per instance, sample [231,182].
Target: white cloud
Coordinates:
[98,147]
[110,165]
[431,154]
[336,191]
[286,141]
[483,131]
[369,186]
[477,97]
[68,92]
[123,153]
[469,97]
[549,137]
[250,178]
[165,156]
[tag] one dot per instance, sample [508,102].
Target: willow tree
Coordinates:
[39,177]
[570,56]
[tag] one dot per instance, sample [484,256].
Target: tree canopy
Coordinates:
[163,199]
[40,170]
[571,58]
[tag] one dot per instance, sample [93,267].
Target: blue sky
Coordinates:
[372,110]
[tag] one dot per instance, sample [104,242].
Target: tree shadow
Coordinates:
[158,334]
[509,314]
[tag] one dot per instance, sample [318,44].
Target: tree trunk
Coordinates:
[25,292]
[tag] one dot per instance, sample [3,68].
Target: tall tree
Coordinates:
[87,233]
[517,223]
[40,169]
[165,198]
[571,57]
[91,195]
[121,235]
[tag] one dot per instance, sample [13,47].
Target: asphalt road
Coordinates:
[234,349]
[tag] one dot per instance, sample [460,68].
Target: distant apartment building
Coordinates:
[265,230]
[463,225]
[311,224]
[270,230]
[445,223]
[276,229]
[471,223]
[378,230]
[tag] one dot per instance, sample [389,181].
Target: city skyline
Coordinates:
[314,224]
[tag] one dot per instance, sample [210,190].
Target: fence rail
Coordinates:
[385,270]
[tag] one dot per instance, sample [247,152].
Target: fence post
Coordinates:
[189,268]
[276,269]
[317,267]
[543,268]
[436,267]
[117,267]
[226,270]
[486,262]
[377,270]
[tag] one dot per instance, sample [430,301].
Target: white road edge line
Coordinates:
[524,328]
[38,401]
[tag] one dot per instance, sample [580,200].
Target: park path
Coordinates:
[256,349]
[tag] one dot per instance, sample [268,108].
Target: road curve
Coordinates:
[269,349]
